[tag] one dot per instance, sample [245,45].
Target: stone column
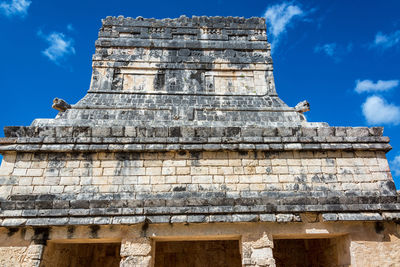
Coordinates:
[257,251]
[33,255]
[136,252]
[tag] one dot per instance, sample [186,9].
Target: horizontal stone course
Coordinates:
[186,138]
[177,219]
[277,181]
[204,203]
[76,132]
[182,124]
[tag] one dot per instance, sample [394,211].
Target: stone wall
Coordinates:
[183,71]
[238,174]
[182,137]
[357,243]
[81,188]
[21,247]
[213,55]
[367,252]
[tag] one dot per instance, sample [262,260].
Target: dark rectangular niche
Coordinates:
[221,253]
[81,255]
[318,252]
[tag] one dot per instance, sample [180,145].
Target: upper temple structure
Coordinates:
[181,72]
[182,154]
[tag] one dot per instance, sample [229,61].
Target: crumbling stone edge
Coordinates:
[171,219]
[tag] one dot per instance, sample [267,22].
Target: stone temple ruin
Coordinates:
[182,154]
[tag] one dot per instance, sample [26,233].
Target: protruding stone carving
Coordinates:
[60,104]
[302,106]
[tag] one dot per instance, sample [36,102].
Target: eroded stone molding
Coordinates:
[182,136]
[136,252]
[257,250]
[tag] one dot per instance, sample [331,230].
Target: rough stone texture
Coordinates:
[136,252]
[182,137]
[186,71]
[29,256]
[192,138]
[257,251]
[380,240]
[74,188]
[366,253]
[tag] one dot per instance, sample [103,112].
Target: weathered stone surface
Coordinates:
[60,105]
[183,71]
[137,247]
[268,218]
[181,128]
[391,216]
[284,217]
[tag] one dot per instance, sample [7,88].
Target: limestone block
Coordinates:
[25,181]
[280,170]
[202,179]
[19,172]
[136,247]
[41,189]
[34,252]
[153,171]
[284,217]
[184,179]
[231,179]
[17,190]
[168,171]
[267,217]
[179,219]
[199,170]
[261,256]
[161,188]
[38,180]
[257,250]
[182,170]
[391,215]
[137,261]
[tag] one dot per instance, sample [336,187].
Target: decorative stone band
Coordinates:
[179,208]
[183,21]
[184,28]
[68,138]
[189,219]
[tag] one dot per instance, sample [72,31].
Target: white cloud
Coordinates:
[379,86]
[60,46]
[385,41]
[377,111]
[328,49]
[333,50]
[395,165]
[15,7]
[279,17]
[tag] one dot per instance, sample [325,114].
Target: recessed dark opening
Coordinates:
[81,255]
[221,253]
[321,252]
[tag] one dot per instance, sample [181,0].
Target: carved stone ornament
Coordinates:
[60,104]
[302,106]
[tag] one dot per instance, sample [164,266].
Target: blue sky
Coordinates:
[341,56]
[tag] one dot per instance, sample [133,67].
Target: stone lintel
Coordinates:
[194,218]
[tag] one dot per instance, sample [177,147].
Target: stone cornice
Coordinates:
[68,138]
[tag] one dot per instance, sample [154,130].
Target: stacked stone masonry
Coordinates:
[182,153]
